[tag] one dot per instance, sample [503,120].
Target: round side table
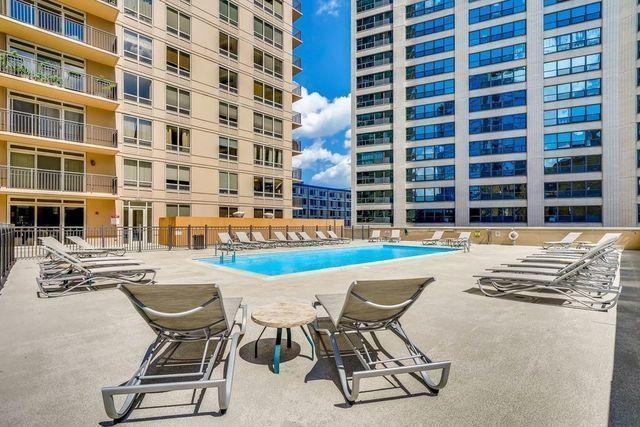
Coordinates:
[283,315]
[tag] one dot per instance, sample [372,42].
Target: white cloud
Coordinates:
[347,139]
[322,117]
[338,175]
[316,153]
[335,168]
[328,7]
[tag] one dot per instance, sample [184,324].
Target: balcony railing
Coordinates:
[297,89]
[297,5]
[58,24]
[297,61]
[48,180]
[297,118]
[296,173]
[52,128]
[297,33]
[375,200]
[111,2]
[54,74]
[296,145]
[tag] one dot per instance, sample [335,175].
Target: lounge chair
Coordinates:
[117,251]
[181,316]
[306,238]
[435,239]
[245,241]
[284,241]
[581,246]
[394,236]
[326,239]
[293,236]
[375,236]
[333,235]
[564,243]
[462,241]
[258,237]
[374,306]
[226,242]
[59,247]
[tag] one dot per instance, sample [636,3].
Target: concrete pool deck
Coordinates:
[517,361]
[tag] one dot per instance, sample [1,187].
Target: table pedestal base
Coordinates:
[276,349]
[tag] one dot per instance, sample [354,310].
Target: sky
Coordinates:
[325,103]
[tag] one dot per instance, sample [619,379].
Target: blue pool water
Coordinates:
[277,263]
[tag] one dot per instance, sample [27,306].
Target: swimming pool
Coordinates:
[277,263]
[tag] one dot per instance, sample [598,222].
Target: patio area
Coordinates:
[516,361]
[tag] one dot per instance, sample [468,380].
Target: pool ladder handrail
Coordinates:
[230,248]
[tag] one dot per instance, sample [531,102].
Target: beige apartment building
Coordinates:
[495,112]
[126,111]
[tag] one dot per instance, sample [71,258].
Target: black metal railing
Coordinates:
[7,252]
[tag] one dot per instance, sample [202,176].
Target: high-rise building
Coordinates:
[141,109]
[507,112]
[312,201]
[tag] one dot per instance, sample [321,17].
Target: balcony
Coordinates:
[296,147]
[296,174]
[105,9]
[296,10]
[50,29]
[53,81]
[296,93]
[22,127]
[296,120]
[297,37]
[296,65]
[49,181]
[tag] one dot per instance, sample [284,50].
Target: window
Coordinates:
[580,114]
[498,100]
[137,88]
[228,80]
[498,215]
[498,32]
[178,100]
[228,46]
[378,216]
[575,139]
[139,9]
[498,169]
[431,173]
[498,78]
[374,40]
[267,125]
[498,146]
[229,12]
[178,139]
[137,173]
[137,131]
[570,189]
[432,152]
[496,10]
[498,124]
[267,187]
[433,194]
[228,148]
[578,64]
[573,90]
[227,211]
[178,178]
[267,212]
[374,177]
[438,130]
[374,138]
[431,47]
[228,184]
[376,98]
[498,192]
[266,63]
[374,21]
[557,214]
[178,61]
[375,196]
[428,90]
[267,156]
[498,55]
[228,114]
[432,68]
[575,40]
[377,118]
[267,32]
[377,79]
[138,47]
[274,7]
[177,210]
[428,6]
[432,26]
[428,216]
[178,23]
[374,60]
[374,158]
[267,94]
[428,111]
[577,164]
[572,16]
[552,2]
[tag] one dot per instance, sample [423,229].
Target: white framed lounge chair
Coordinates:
[226,242]
[258,237]
[59,247]
[435,239]
[375,236]
[282,239]
[333,235]
[181,315]
[83,244]
[564,243]
[244,240]
[371,307]
[394,236]
[323,238]
[462,241]
[308,239]
[293,236]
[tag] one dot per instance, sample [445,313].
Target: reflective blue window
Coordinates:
[498,192]
[572,90]
[575,65]
[433,68]
[374,21]
[427,90]
[375,157]
[431,216]
[498,78]
[496,10]
[428,6]
[433,152]
[580,114]
[374,60]
[558,214]
[498,215]
[499,123]
[437,109]
[575,40]
[575,15]
[376,79]
[570,189]
[374,40]
[575,139]
[434,131]
[376,98]
[498,146]
[498,100]
[374,138]
[377,118]
[498,169]
[498,32]
[362,5]
[432,194]
[576,164]
[432,26]
[431,173]
[498,55]
[431,47]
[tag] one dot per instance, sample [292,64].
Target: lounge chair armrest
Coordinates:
[387,307]
[243,322]
[178,314]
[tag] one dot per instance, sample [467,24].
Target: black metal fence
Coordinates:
[7,253]
[26,240]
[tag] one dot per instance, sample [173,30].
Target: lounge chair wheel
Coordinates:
[223,411]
